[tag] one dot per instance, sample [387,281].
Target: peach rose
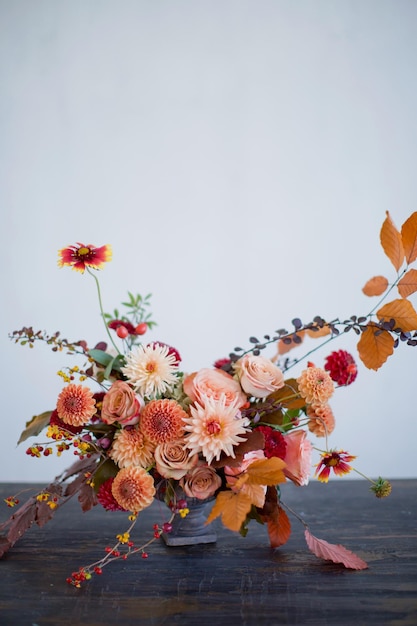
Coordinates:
[258,376]
[298,457]
[121,404]
[213,383]
[201,482]
[172,460]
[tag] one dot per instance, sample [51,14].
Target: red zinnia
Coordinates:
[275,444]
[341,367]
[81,256]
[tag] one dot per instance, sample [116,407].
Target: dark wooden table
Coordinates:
[235,581]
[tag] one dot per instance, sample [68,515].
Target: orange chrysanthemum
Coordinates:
[162,420]
[131,448]
[133,489]
[76,405]
[315,385]
[321,421]
[338,461]
[81,256]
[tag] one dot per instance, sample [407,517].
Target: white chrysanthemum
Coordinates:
[214,428]
[151,369]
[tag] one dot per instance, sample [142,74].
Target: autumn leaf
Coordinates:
[408,284]
[279,527]
[233,508]
[288,395]
[375,286]
[391,242]
[320,332]
[286,346]
[35,426]
[332,552]
[409,238]
[402,311]
[263,472]
[375,346]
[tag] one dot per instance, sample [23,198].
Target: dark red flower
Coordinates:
[55,420]
[171,350]
[341,367]
[220,363]
[275,444]
[106,498]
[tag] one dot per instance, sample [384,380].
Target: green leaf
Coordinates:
[101,357]
[107,470]
[35,426]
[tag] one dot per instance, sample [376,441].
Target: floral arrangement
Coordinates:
[142,428]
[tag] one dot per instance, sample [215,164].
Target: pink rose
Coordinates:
[258,376]
[172,460]
[201,482]
[214,383]
[121,404]
[298,457]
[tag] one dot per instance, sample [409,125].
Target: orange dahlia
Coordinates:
[162,420]
[315,385]
[133,489]
[321,422]
[76,405]
[131,448]
[81,256]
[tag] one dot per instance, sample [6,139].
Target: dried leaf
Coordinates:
[391,242]
[402,311]
[375,286]
[256,493]
[35,426]
[254,441]
[375,346]
[333,552]
[233,508]
[288,395]
[5,545]
[320,332]
[409,238]
[285,346]
[279,527]
[408,284]
[87,497]
[263,472]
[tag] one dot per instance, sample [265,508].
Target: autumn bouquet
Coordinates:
[143,428]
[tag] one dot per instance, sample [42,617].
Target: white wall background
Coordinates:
[238,155]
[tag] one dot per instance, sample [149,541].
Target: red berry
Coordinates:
[167,527]
[122,332]
[141,328]
[145,555]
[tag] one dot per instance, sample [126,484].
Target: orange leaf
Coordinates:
[263,472]
[375,286]
[375,346]
[320,332]
[284,347]
[279,527]
[233,508]
[408,283]
[402,311]
[331,552]
[391,242]
[409,238]
[288,395]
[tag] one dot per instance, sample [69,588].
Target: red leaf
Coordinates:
[279,527]
[332,552]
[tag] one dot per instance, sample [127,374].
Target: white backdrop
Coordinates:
[238,155]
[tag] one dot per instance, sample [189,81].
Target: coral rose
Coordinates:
[258,376]
[121,404]
[201,482]
[173,460]
[214,383]
[298,457]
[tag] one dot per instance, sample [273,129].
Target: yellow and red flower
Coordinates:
[81,256]
[338,461]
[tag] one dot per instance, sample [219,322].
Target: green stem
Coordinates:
[101,310]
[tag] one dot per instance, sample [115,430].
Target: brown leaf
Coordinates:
[288,395]
[409,238]
[408,284]
[332,552]
[254,441]
[402,311]
[233,508]
[279,527]
[375,286]
[391,242]
[35,426]
[87,497]
[375,346]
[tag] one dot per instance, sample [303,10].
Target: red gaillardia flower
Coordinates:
[338,461]
[76,405]
[341,367]
[81,256]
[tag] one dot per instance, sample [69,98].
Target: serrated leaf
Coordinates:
[332,552]
[263,472]
[35,426]
[375,286]
[279,527]
[409,238]
[391,242]
[233,508]
[375,346]
[408,284]
[402,311]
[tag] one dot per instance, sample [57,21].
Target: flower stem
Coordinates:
[101,309]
